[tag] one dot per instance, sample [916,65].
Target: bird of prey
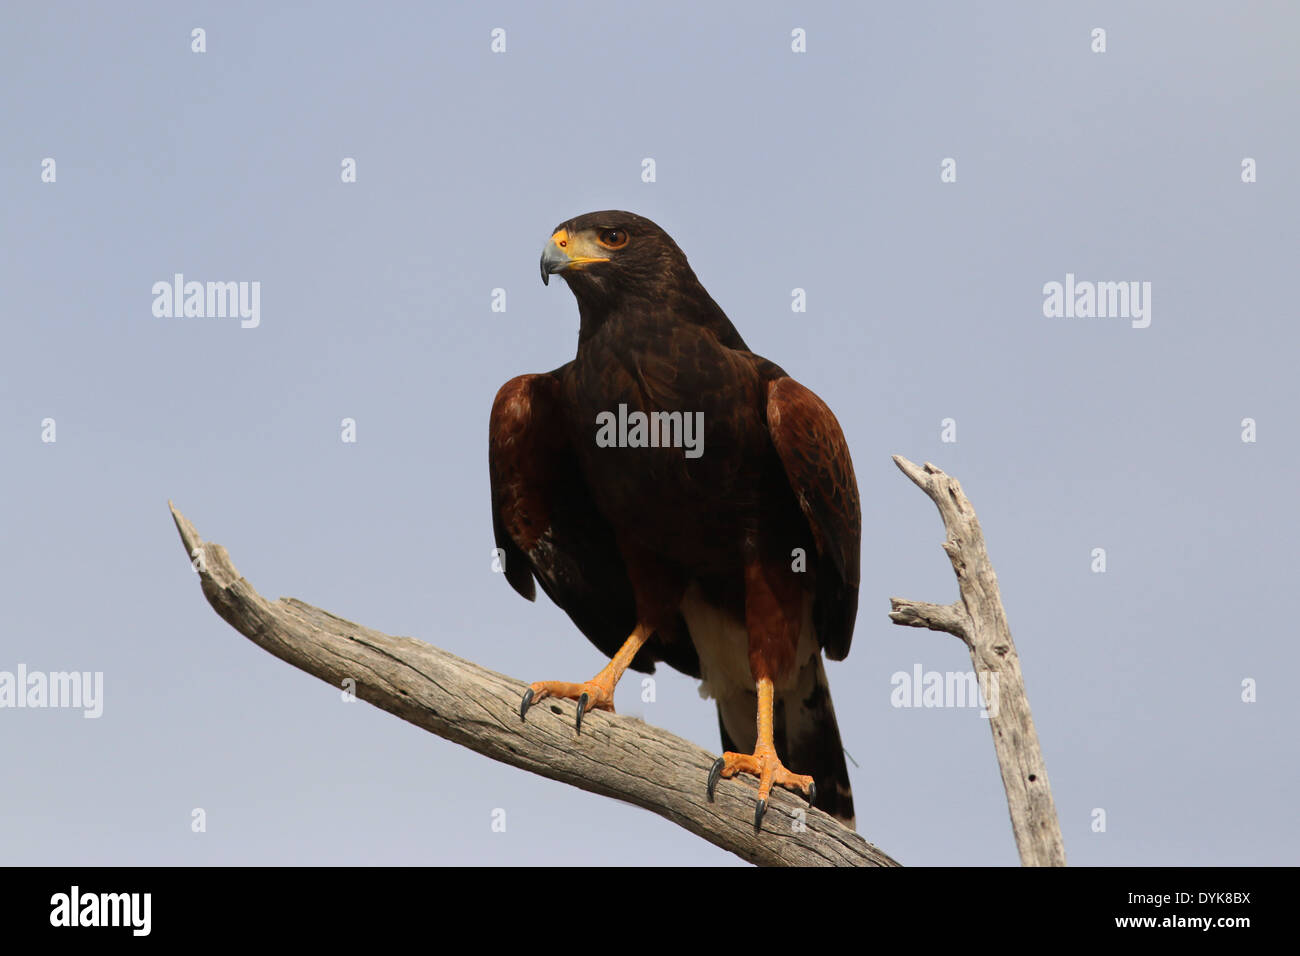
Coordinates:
[683,500]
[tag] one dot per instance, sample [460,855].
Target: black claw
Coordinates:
[714,773]
[758,814]
[582,708]
[812,794]
[525,703]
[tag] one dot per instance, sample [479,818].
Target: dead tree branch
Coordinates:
[978,619]
[615,756]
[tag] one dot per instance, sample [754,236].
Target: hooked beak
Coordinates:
[561,254]
[554,259]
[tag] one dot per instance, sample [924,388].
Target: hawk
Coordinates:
[684,501]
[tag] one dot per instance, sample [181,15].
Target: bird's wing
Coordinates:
[547,527]
[816,459]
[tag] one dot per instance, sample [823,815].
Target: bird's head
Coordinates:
[619,263]
[607,254]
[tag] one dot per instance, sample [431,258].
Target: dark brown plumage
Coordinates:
[731,555]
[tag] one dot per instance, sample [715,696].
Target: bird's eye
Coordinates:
[613,238]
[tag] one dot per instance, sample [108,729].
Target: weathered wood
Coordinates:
[616,756]
[979,619]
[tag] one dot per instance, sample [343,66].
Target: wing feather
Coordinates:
[549,530]
[815,455]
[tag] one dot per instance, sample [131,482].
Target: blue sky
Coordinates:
[775,170]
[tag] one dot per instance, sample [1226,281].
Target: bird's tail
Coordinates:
[805,733]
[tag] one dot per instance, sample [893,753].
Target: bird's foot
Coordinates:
[595,694]
[764,764]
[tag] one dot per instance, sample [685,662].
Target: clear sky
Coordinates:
[774,170]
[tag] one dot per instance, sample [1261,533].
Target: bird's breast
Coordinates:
[667,423]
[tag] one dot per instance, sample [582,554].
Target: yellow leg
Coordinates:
[763,762]
[597,693]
